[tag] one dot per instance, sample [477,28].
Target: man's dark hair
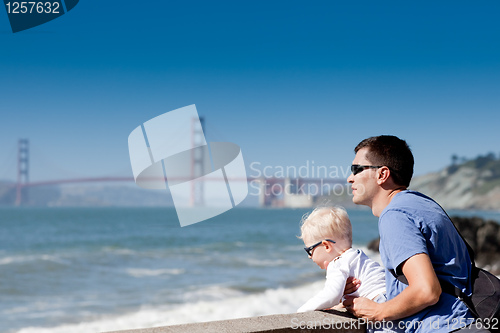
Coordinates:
[392,152]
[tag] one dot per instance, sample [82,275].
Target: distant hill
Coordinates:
[472,184]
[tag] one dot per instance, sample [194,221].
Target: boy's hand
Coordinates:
[351,285]
[339,306]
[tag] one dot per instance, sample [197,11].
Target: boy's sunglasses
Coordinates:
[357,168]
[310,249]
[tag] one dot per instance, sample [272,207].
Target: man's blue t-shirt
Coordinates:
[413,223]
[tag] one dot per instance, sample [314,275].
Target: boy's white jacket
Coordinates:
[353,262]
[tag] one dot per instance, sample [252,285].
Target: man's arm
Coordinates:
[423,290]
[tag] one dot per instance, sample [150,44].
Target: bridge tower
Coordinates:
[197,161]
[22,169]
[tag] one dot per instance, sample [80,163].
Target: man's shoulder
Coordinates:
[418,210]
[409,201]
[411,196]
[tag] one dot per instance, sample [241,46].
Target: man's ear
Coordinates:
[383,174]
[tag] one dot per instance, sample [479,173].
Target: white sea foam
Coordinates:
[144,272]
[22,259]
[273,301]
[266,262]
[9,260]
[211,293]
[121,251]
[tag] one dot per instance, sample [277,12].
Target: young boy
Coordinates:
[327,235]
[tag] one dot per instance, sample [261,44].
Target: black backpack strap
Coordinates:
[401,277]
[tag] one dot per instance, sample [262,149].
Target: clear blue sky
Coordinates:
[289,81]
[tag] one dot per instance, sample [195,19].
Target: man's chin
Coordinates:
[358,201]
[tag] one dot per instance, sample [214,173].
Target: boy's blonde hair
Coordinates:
[326,222]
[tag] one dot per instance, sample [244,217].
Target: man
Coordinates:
[417,239]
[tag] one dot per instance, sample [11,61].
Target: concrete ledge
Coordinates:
[315,321]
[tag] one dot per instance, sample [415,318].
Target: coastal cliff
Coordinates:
[472,184]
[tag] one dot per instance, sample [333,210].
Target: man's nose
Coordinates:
[350,179]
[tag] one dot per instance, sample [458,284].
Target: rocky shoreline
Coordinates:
[482,235]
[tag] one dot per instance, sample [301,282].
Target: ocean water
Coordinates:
[104,269]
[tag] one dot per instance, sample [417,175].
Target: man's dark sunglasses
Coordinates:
[357,168]
[310,249]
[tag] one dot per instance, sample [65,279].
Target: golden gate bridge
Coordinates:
[273,191]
